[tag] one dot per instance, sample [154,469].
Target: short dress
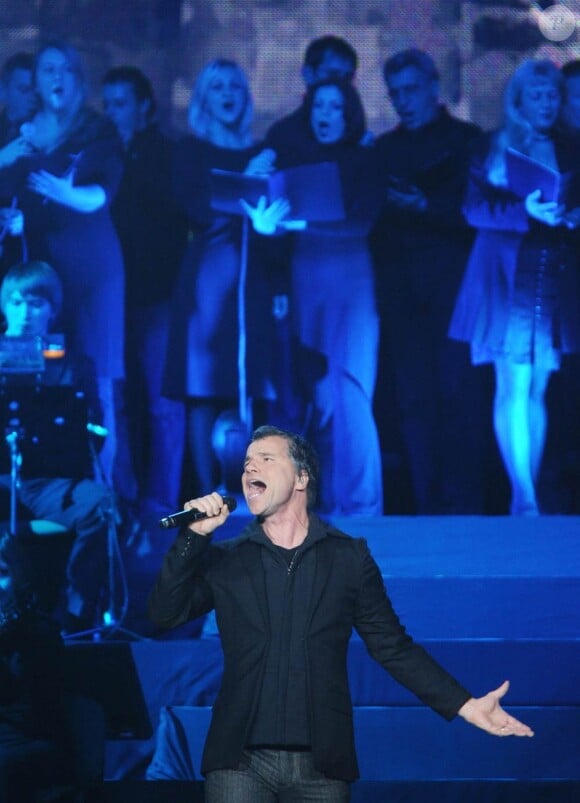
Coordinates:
[202,356]
[532,329]
[520,294]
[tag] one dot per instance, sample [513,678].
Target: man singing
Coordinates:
[287,594]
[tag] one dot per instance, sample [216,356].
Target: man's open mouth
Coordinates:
[256,488]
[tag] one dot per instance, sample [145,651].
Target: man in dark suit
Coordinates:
[421,243]
[18,98]
[287,594]
[326,57]
[153,235]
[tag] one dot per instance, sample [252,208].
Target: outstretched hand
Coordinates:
[54,188]
[486,713]
[266,218]
[62,190]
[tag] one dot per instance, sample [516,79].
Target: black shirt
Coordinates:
[281,718]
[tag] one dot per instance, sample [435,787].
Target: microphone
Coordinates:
[188,516]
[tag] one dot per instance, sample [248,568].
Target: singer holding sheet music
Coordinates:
[333,306]
[64,178]
[30,300]
[519,304]
[201,367]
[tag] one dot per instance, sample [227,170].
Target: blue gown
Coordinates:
[334,314]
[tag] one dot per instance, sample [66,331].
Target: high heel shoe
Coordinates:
[529,509]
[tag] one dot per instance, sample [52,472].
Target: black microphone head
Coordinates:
[184,517]
[230,502]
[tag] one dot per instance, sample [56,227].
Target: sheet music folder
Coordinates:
[314,191]
[525,175]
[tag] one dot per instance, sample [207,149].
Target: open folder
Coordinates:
[314,191]
[525,175]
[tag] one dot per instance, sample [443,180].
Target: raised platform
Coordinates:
[491,598]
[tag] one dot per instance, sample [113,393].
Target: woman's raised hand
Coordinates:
[262,164]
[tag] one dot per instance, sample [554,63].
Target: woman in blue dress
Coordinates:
[519,303]
[333,306]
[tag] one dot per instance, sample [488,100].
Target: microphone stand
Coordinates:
[237,425]
[13,437]
[111,621]
[244,408]
[238,433]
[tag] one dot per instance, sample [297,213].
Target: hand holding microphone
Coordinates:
[207,513]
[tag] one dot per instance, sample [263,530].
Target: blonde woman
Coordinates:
[518,306]
[201,367]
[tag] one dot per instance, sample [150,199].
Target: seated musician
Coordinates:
[30,300]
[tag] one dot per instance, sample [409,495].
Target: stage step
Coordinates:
[189,672]
[541,672]
[463,576]
[413,743]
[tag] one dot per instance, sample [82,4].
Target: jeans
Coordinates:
[274,776]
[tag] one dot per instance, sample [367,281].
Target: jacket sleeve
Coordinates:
[181,592]
[444,185]
[393,648]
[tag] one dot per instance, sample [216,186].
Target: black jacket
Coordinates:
[348,591]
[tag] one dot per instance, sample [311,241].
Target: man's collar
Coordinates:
[317,529]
